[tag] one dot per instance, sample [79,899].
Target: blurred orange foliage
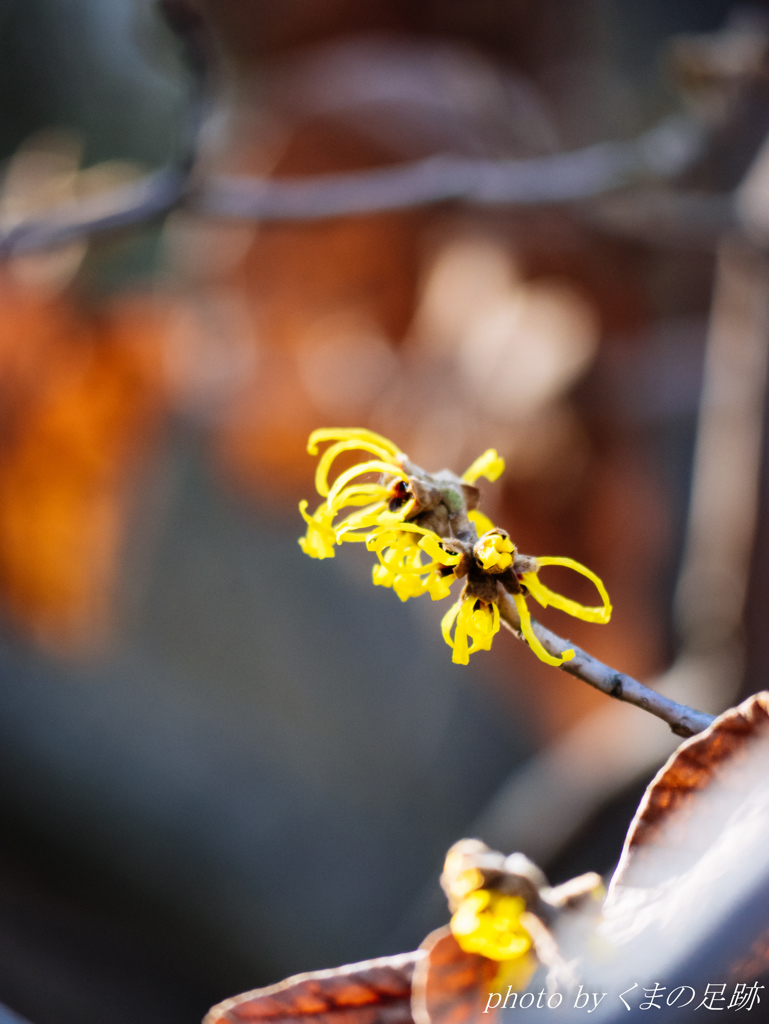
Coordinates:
[81,398]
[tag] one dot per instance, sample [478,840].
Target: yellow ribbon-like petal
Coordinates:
[382,537]
[483,625]
[432,545]
[481,522]
[438,586]
[429,535]
[362,520]
[461,653]
[382,575]
[546,597]
[350,474]
[531,637]
[400,561]
[349,434]
[448,621]
[489,923]
[490,464]
[407,585]
[320,539]
[480,624]
[359,494]
[326,459]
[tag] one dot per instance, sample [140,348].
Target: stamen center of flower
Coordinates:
[495,552]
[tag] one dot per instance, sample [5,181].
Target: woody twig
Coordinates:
[683,720]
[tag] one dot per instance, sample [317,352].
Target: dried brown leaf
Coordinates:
[371,992]
[689,897]
[671,797]
[450,986]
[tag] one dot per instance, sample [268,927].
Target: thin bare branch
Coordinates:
[663,152]
[149,197]
[683,720]
[138,203]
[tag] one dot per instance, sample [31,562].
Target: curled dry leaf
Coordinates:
[671,799]
[450,985]
[364,993]
[689,898]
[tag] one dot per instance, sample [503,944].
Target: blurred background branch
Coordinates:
[664,152]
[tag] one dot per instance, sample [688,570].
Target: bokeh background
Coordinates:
[222,762]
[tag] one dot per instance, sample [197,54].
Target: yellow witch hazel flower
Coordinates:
[489,923]
[503,909]
[487,900]
[475,617]
[405,515]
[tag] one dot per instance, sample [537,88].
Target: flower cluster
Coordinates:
[503,909]
[405,515]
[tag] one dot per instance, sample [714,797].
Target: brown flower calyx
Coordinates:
[442,501]
[471,864]
[482,579]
